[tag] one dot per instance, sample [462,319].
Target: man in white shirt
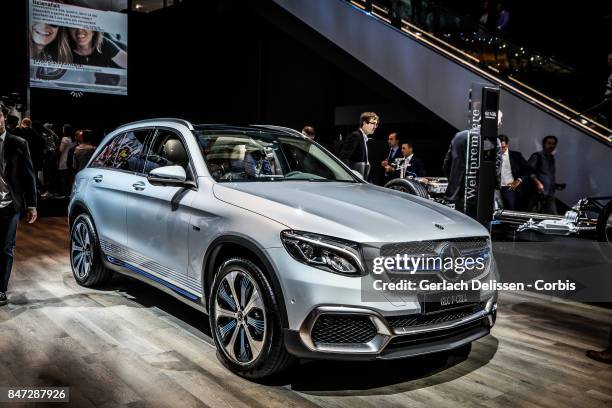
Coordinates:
[409,165]
[354,150]
[514,171]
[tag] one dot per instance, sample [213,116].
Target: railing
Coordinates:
[541,80]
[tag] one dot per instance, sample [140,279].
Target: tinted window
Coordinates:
[267,157]
[167,149]
[131,153]
[107,156]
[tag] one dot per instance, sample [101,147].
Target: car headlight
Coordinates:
[326,253]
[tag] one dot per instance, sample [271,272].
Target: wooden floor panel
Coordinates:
[130,345]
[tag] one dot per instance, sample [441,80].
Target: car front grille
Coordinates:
[343,329]
[428,248]
[417,320]
[468,247]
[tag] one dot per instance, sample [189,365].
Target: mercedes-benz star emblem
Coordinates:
[445,251]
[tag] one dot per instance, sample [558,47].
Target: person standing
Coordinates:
[454,169]
[65,171]
[544,177]
[36,145]
[394,154]
[354,150]
[503,17]
[514,170]
[409,165]
[84,151]
[17,195]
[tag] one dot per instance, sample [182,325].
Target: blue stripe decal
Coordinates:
[153,277]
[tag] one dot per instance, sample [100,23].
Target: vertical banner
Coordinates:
[78,45]
[482,153]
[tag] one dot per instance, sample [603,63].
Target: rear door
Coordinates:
[106,198]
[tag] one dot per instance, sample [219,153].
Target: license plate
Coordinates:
[438,301]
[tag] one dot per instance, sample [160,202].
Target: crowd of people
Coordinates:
[522,184]
[56,154]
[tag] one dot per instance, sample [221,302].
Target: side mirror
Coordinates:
[168,175]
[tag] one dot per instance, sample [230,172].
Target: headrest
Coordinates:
[175,152]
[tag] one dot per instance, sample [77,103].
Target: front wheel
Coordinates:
[245,320]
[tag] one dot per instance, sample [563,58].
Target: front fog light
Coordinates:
[326,253]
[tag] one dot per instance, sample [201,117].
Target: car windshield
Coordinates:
[262,156]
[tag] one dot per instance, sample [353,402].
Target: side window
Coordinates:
[131,154]
[107,156]
[167,149]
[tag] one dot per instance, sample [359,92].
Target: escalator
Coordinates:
[435,55]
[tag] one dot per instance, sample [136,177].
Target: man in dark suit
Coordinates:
[454,169]
[393,155]
[17,195]
[544,177]
[409,164]
[354,150]
[514,171]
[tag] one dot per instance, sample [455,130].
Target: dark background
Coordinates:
[244,62]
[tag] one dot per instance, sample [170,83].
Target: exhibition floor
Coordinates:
[132,345]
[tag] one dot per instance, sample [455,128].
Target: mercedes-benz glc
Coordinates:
[272,236]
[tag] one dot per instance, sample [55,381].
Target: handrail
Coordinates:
[507,81]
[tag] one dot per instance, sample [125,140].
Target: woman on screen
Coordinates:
[44,43]
[93,48]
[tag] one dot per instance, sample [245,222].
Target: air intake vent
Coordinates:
[343,329]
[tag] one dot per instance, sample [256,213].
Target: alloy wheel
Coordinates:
[81,252]
[240,318]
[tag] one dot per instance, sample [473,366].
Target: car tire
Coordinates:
[85,254]
[249,341]
[408,186]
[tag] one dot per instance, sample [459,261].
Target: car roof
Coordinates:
[214,127]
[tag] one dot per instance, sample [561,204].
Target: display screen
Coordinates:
[79,45]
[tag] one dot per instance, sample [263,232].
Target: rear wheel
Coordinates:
[245,320]
[85,254]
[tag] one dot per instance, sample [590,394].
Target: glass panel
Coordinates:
[106,157]
[131,153]
[268,157]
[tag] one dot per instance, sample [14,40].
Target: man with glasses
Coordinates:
[354,151]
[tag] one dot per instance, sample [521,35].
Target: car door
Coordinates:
[158,216]
[106,198]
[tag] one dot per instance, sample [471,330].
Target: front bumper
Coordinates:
[389,337]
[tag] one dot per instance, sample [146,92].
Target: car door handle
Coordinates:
[98,178]
[139,186]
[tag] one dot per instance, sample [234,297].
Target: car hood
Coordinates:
[355,211]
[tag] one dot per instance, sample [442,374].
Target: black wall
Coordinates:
[241,62]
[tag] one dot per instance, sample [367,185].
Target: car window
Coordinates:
[131,153]
[167,149]
[107,156]
[264,156]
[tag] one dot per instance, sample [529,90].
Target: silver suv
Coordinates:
[271,236]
